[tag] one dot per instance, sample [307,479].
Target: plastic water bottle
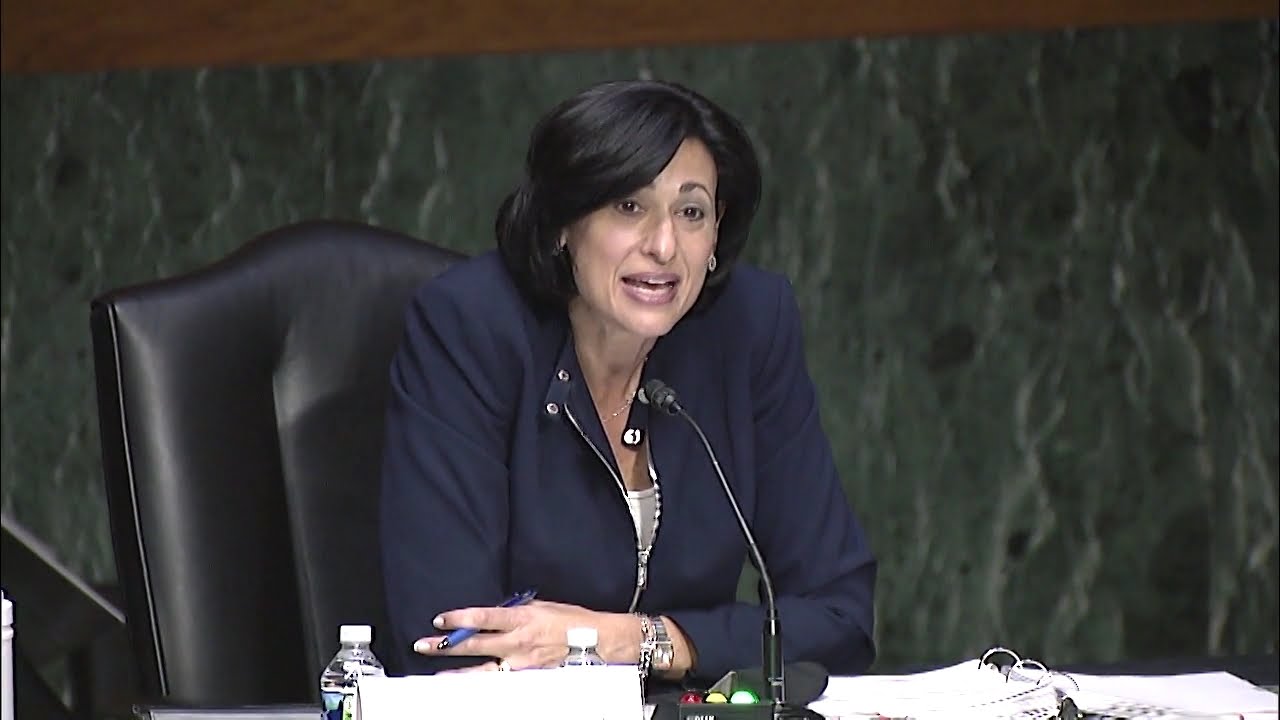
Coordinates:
[6,662]
[582,647]
[338,681]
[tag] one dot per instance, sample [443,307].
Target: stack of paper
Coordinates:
[970,690]
[578,693]
[1216,694]
[961,691]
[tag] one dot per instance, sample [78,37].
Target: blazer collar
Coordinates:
[565,386]
[675,359]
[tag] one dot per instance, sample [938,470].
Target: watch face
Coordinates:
[662,657]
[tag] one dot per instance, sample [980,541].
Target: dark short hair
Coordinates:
[601,145]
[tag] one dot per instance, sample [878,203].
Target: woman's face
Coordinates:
[640,261]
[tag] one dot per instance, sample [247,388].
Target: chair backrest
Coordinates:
[241,414]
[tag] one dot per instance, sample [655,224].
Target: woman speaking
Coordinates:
[518,460]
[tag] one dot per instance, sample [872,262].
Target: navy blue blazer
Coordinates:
[488,489]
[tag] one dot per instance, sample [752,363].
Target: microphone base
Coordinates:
[755,711]
[795,712]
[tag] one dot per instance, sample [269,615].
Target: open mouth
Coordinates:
[653,288]
[649,284]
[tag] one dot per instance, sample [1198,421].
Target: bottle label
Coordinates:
[335,706]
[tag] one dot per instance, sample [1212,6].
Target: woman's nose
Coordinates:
[660,242]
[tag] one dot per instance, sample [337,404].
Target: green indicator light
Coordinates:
[743,697]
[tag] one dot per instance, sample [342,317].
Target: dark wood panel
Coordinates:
[84,35]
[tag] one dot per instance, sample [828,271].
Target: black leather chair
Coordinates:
[241,414]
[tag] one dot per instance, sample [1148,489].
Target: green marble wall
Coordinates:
[1039,272]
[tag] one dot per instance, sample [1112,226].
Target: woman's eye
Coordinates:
[693,213]
[629,206]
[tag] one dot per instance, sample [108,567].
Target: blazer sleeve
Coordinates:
[443,505]
[822,567]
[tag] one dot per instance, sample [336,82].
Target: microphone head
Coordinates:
[659,395]
[646,392]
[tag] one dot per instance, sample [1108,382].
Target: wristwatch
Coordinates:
[662,652]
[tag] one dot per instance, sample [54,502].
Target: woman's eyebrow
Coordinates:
[692,185]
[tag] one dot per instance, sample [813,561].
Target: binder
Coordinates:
[1072,702]
[1001,684]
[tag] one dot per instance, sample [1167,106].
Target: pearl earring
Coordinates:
[711,263]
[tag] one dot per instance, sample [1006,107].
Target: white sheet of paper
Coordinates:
[580,693]
[1210,693]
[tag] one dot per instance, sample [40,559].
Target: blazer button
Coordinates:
[563,375]
[553,409]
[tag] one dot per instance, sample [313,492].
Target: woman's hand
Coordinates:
[532,635]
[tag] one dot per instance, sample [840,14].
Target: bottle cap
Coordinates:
[582,637]
[355,634]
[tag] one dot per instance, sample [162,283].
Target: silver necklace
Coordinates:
[630,398]
[625,405]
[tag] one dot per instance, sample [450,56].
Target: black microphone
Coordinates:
[659,395]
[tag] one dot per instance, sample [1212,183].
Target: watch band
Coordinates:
[646,646]
[663,654]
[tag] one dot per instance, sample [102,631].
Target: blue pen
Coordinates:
[457,636]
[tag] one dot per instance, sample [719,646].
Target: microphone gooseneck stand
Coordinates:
[659,395]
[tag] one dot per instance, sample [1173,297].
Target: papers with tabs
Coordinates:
[970,690]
